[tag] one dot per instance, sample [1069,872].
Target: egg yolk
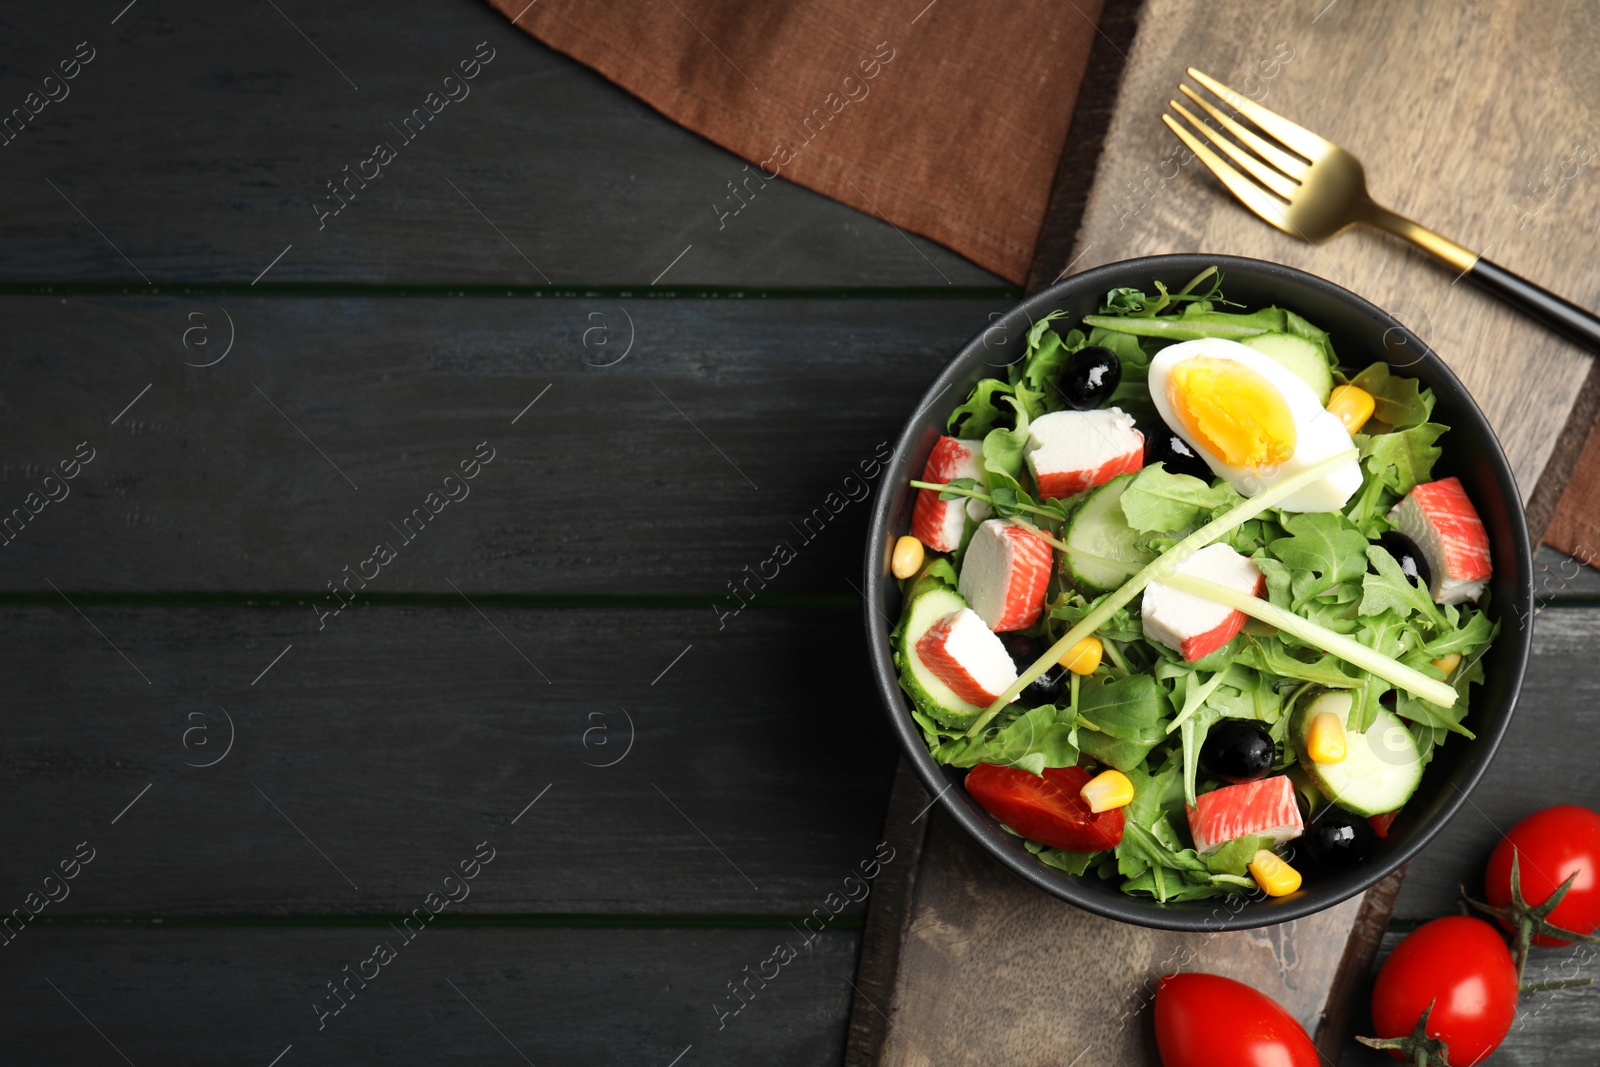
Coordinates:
[1232,411]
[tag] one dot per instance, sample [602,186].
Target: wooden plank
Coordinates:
[201,141]
[905,829]
[1486,146]
[369,754]
[209,996]
[1544,502]
[1544,760]
[1557,575]
[1348,987]
[1020,964]
[729,428]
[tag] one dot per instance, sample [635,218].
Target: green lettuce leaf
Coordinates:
[1397,402]
[1003,451]
[1121,721]
[1038,738]
[1235,856]
[1157,500]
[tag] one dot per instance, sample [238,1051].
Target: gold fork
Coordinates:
[1308,186]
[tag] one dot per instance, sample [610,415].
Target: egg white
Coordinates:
[1318,433]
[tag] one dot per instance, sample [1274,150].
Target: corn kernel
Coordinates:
[1107,790]
[1352,405]
[1083,657]
[1325,741]
[1275,877]
[1448,663]
[907,559]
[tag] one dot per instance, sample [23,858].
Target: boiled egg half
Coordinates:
[1252,420]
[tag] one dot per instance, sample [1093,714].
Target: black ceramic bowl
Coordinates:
[1362,334]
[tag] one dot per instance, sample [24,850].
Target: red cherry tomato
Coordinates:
[1049,810]
[1203,1020]
[1462,966]
[1552,845]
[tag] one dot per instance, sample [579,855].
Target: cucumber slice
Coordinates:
[931,601]
[1104,550]
[1381,768]
[1300,357]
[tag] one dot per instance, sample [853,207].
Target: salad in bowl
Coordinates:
[1188,606]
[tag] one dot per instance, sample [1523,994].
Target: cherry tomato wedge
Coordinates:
[1204,1020]
[1049,810]
[1552,845]
[1460,965]
[1380,823]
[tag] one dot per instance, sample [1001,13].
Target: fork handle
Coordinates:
[1560,315]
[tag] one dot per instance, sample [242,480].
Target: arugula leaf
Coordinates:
[1061,859]
[1192,734]
[1141,849]
[1038,738]
[1157,500]
[1323,549]
[1145,807]
[1007,503]
[1119,627]
[1037,331]
[1279,577]
[1040,371]
[1272,657]
[1398,402]
[1123,720]
[1403,459]
[1473,631]
[1169,890]
[1248,694]
[981,412]
[1423,713]
[1133,302]
[1369,510]
[1336,610]
[1391,590]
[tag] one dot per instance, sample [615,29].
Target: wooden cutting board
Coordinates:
[962,963]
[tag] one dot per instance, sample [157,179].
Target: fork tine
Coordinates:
[1252,195]
[1290,165]
[1296,137]
[1262,173]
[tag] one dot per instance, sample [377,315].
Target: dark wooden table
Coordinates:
[391,601]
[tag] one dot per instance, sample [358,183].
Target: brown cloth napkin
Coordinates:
[946,119]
